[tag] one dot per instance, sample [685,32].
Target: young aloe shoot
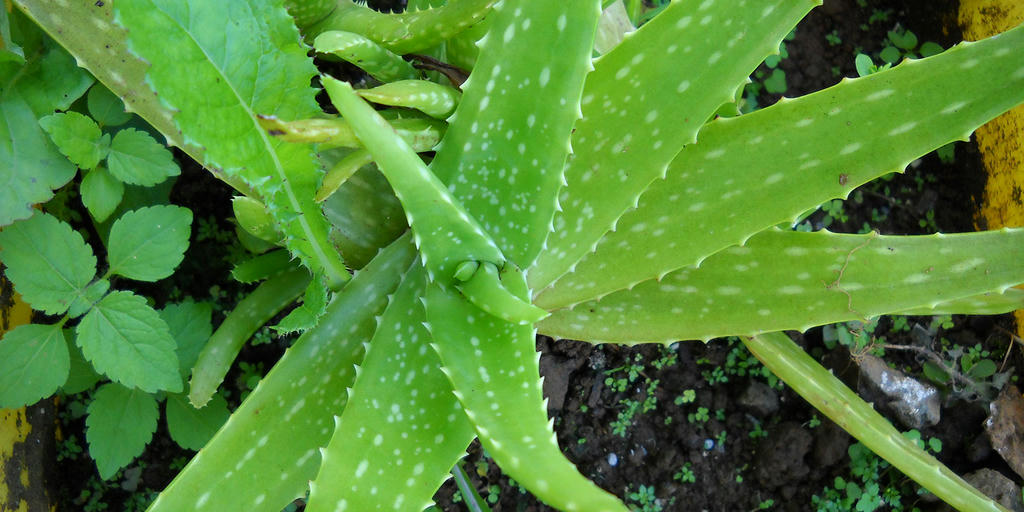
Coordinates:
[454,248]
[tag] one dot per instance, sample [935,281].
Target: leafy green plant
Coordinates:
[659,225]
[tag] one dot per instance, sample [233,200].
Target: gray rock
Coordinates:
[913,403]
[759,399]
[997,486]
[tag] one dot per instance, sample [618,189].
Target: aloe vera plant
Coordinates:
[593,198]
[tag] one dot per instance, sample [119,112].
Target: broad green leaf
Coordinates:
[493,367]
[48,262]
[9,50]
[291,411]
[263,266]
[256,309]
[249,57]
[101,193]
[104,52]
[416,419]
[782,280]
[638,112]
[148,244]
[106,108]
[253,217]
[1008,301]
[34,362]
[192,428]
[500,155]
[190,325]
[78,137]
[31,167]
[126,340]
[81,376]
[754,171]
[138,159]
[121,422]
[406,32]
[828,394]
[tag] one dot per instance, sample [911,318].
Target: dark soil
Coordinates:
[758,442]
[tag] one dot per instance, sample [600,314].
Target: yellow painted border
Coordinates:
[1001,141]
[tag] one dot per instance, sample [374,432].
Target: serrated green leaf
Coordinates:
[253,217]
[216,357]
[251,60]
[744,175]
[263,266]
[138,159]
[34,362]
[126,340]
[637,114]
[31,167]
[291,409]
[101,193]
[305,316]
[48,262]
[120,424]
[92,294]
[106,108]
[192,428]
[190,325]
[494,369]
[148,244]
[402,391]
[511,186]
[783,280]
[78,137]
[81,376]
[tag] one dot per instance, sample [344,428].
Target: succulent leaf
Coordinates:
[278,428]
[637,115]
[369,56]
[405,32]
[255,63]
[829,395]
[768,167]
[256,309]
[401,405]
[493,367]
[783,280]
[431,98]
[525,87]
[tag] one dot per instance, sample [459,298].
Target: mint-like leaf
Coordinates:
[34,362]
[106,108]
[92,294]
[81,376]
[121,422]
[78,137]
[127,340]
[191,327]
[148,243]
[138,159]
[191,428]
[48,262]
[101,193]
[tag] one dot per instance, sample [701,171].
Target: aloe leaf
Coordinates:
[830,396]
[353,48]
[637,116]
[263,266]
[334,133]
[993,303]
[431,98]
[494,368]
[416,420]
[341,171]
[406,32]
[266,453]
[499,155]
[256,309]
[249,56]
[792,280]
[748,173]
[365,214]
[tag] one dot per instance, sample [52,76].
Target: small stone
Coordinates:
[1004,427]
[759,399]
[613,460]
[997,486]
